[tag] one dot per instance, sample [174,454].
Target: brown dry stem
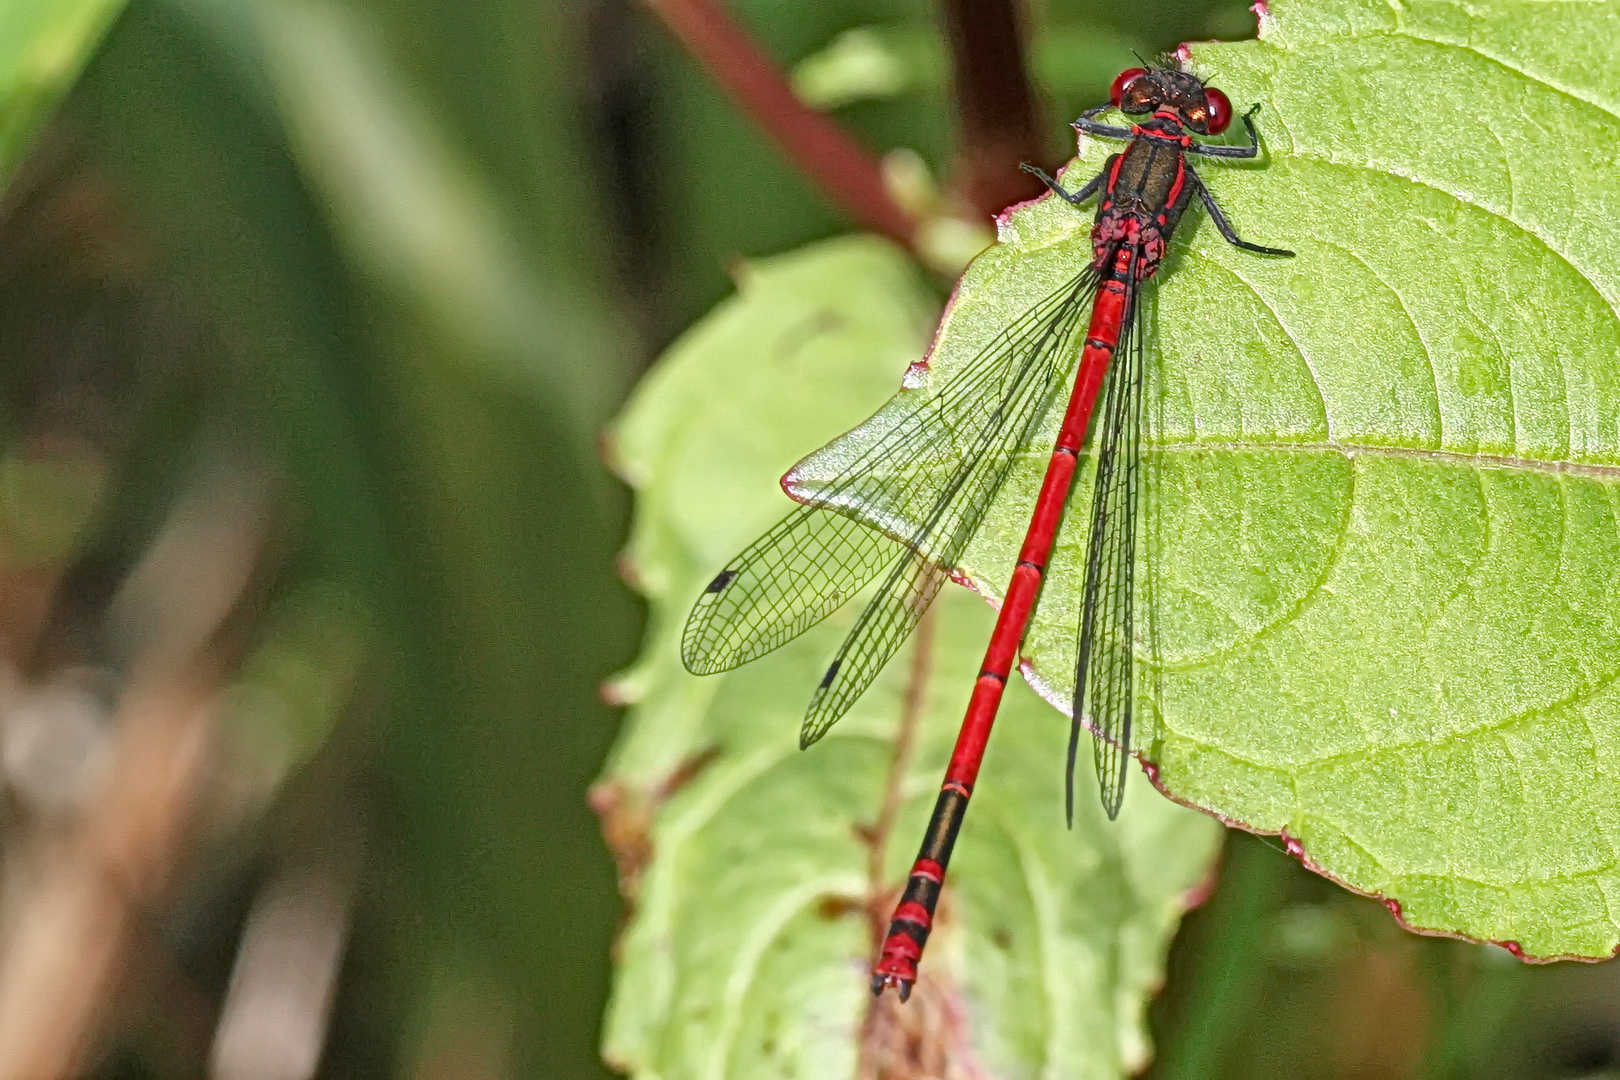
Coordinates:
[83,887]
[64,952]
[912,706]
[926,1036]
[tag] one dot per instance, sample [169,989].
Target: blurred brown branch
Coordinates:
[66,949]
[997,121]
[846,172]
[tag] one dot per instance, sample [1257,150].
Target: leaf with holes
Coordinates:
[755,871]
[1379,549]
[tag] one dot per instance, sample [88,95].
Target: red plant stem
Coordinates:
[846,173]
[995,104]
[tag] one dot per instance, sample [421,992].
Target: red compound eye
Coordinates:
[1116,93]
[1220,110]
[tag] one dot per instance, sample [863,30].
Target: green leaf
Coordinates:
[1379,544]
[43,47]
[753,900]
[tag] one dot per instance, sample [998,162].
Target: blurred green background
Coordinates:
[359,283]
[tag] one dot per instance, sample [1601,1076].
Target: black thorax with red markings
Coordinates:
[1143,196]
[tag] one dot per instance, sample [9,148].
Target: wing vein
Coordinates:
[1103,672]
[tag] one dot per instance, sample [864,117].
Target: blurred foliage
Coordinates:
[43,46]
[408,256]
[432,398]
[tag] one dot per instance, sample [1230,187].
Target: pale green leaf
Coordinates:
[747,953]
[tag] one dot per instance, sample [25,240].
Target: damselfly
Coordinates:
[819,556]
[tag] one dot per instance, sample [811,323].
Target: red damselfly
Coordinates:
[819,556]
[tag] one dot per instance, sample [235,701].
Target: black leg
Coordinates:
[1225,226]
[1252,150]
[1088,124]
[1104,131]
[1075,197]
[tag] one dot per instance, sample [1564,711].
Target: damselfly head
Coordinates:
[1203,110]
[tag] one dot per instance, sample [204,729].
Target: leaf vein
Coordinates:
[1489,727]
[1306,598]
[1406,313]
[1385,170]
[1608,474]
[1316,382]
[1501,61]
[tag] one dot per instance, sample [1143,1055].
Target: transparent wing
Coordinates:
[1102,681]
[1042,346]
[816,558]
[882,628]
[808,566]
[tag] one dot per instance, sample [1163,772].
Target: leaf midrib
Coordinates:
[1550,466]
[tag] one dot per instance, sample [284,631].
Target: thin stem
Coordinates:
[928,1035]
[995,104]
[912,706]
[846,173]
